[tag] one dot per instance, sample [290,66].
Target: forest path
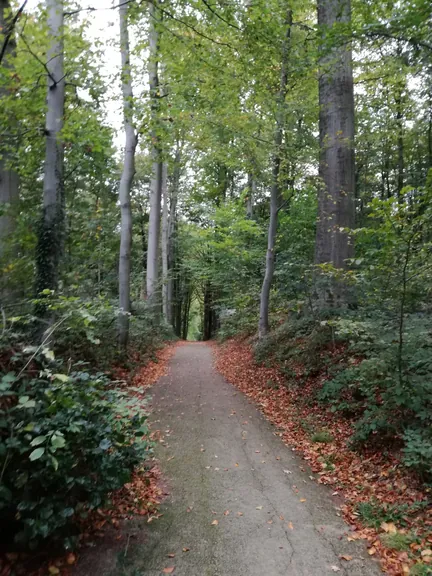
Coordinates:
[219,454]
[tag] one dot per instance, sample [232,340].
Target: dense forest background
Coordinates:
[273,179]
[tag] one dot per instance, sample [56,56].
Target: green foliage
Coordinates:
[398,541]
[322,436]
[67,439]
[374,514]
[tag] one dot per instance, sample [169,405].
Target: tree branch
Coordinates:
[11,29]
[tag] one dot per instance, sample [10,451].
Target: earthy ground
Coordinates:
[241,503]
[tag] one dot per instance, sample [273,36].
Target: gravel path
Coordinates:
[241,503]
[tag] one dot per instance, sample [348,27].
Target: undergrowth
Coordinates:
[363,376]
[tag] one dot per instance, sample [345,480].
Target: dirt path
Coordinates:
[223,463]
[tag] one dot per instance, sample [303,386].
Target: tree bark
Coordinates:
[126,181]
[165,239]
[275,194]
[171,234]
[9,194]
[51,230]
[156,180]
[250,196]
[336,138]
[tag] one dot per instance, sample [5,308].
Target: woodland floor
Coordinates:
[240,502]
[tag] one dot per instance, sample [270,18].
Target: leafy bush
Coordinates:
[391,398]
[67,438]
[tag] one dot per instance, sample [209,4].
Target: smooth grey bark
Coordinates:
[156,153]
[336,139]
[275,194]
[9,193]
[126,180]
[51,231]
[175,181]
[164,242]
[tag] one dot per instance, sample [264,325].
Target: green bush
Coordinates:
[67,438]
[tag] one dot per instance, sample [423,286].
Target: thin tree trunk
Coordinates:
[143,289]
[336,137]
[275,195]
[156,180]
[171,234]
[126,181]
[165,271]
[400,143]
[250,196]
[8,177]
[51,231]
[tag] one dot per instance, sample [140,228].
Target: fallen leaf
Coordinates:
[71,559]
[215,522]
[346,557]
[335,568]
[171,555]
[226,512]
[186,549]
[290,526]
[425,553]
[302,499]
[239,513]
[168,570]
[372,551]
[389,527]
[259,507]
[53,570]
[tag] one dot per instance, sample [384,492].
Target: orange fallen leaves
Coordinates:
[380,476]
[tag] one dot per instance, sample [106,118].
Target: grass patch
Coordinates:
[323,437]
[374,514]
[398,541]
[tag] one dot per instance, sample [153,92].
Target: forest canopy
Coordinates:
[258,168]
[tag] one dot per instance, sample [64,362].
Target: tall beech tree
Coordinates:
[51,229]
[157,166]
[126,180]
[336,138]
[9,193]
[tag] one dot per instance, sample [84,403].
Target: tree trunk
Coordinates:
[400,142]
[336,138]
[171,234]
[126,181]
[51,230]
[165,239]
[275,195]
[156,181]
[8,176]
[250,196]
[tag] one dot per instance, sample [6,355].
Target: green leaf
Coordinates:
[36,454]
[61,377]
[38,440]
[58,441]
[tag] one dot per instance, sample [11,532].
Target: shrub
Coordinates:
[66,441]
